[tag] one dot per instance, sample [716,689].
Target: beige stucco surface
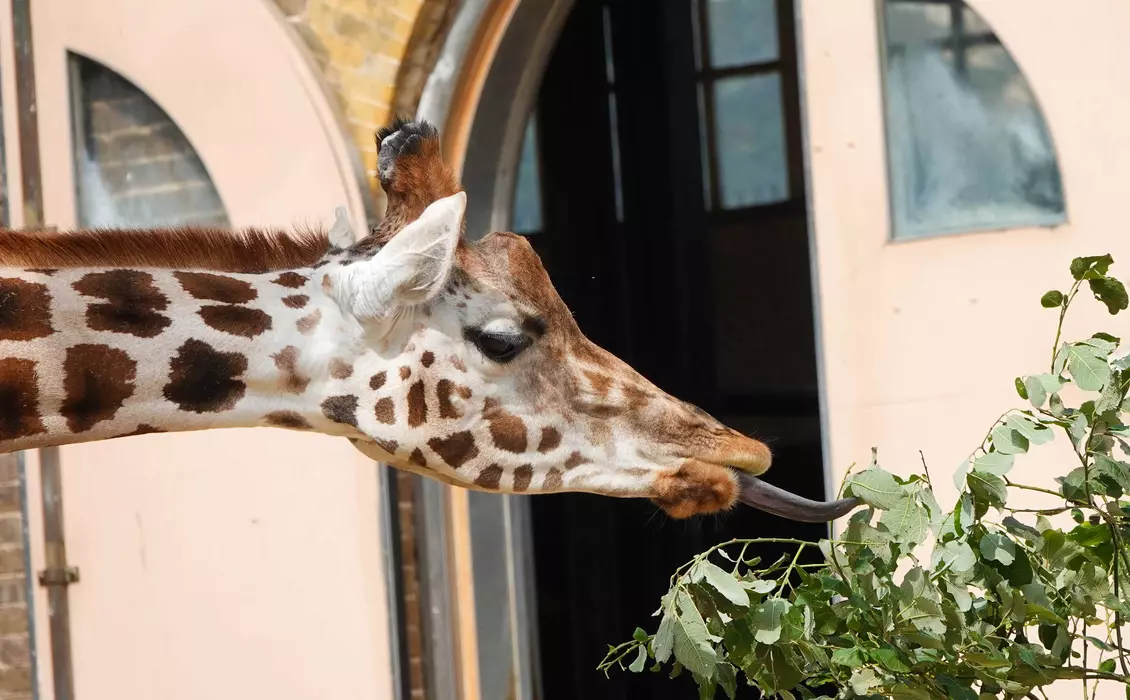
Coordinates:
[921,339]
[233,563]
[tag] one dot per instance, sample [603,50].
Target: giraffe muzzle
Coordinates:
[771,499]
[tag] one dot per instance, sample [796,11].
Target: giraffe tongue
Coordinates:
[769,498]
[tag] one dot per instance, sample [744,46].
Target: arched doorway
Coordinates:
[654,154]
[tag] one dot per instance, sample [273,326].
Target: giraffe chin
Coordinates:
[771,499]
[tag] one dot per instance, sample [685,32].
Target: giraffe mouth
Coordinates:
[771,499]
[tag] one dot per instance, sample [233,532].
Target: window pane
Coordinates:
[749,132]
[917,22]
[135,167]
[742,31]
[526,217]
[967,143]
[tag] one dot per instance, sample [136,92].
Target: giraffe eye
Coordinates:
[499,347]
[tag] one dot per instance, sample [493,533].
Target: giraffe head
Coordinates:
[486,381]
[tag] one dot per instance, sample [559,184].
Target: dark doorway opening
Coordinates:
[670,210]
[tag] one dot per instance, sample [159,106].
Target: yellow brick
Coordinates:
[354,84]
[409,8]
[380,67]
[360,8]
[344,53]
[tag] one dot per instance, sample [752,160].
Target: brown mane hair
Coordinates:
[247,250]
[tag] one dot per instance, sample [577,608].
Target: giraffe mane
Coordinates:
[251,250]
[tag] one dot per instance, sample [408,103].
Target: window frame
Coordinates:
[786,67]
[959,46]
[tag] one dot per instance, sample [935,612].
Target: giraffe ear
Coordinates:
[410,269]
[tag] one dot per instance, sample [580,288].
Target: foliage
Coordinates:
[1000,608]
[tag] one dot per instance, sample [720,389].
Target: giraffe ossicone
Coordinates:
[450,358]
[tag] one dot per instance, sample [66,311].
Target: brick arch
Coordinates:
[238,83]
[375,57]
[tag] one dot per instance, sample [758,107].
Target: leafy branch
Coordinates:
[1001,608]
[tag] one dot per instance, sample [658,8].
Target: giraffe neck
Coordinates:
[93,354]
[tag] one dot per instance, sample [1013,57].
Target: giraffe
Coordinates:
[446,357]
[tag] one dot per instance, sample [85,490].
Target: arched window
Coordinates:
[967,144]
[134,167]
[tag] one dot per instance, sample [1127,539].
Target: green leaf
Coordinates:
[1059,363]
[1089,371]
[723,582]
[1050,382]
[863,680]
[876,488]
[996,547]
[1008,440]
[907,521]
[665,637]
[1117,471]
[728,679]
[850,656]
[990,488]
[692,641]
[997,463]
[1100,644]
[889,658]
[1021,389]
[1055,405]
[641,660]
[640,635]
[1051,299]
[1108,665]
[959,556]
[767,620]
[760,586]
[778,670]
[1035,392]
[1035,433]
[1111,292]
[1091,267]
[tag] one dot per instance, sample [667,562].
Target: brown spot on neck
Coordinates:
[291,280]
[456,450]
[405,372]
[212,287]
[132,303]
[288,419]
[236,320]
[19,399]
[550,439]
[340,369]
[295,301]
[291,380]
[377,380]
[417,458]
[522,477]
[427,358]
[205,380]
[489,477]
[506,429]
[97,380]
[575,460]
[384,411]
[25,310]
[308,323]
[444,390]
[417,404]
[552,480]
[341,409]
